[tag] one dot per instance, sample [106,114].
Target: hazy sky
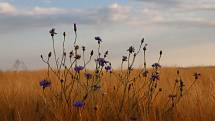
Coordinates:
[183,29]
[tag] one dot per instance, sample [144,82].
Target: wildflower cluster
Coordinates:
[77,87]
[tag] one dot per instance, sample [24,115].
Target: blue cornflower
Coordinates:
[156,65]
[108,68]
[45,83]
[98,39]
[101,61]
[155,76]
[88,75]
[79,104]
[78,68]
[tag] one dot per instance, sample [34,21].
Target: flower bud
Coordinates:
[50,54]
[75,27]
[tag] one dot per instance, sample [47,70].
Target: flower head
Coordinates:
[156,65]
[124,58]
[78,68]
[88,75]
[52,32]
[77,56]
[83,48]
[155,76]
[79,104]
[131,49]
[45,83]
[98,39]
[196,75]
[101,61]
[108,68]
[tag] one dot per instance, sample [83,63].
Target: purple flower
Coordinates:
[78,68]
[45,83]
[79,104]
[155,76]
[156,65]
[101,61]
[88,75]
[108,68]
[98,39]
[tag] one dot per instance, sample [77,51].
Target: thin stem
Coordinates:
[55,56]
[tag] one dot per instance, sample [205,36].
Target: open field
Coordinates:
[22,99]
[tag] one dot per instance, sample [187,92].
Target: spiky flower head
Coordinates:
[52,32]
[78,68]
[124,58]
[131,49]
[156,65]
[45,83]
[98,39]
[79,104]
[101,61]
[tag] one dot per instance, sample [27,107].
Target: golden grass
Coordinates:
[21,99]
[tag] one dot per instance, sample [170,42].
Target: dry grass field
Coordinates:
[22,99]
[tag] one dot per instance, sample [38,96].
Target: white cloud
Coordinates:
[48,11]
[7,7]
[119,12]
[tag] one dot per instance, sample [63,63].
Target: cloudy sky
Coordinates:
[183,29]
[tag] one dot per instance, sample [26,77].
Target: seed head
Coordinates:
[77,57]
[76,47]
[131,49]
[52,32]
[196,75]
[97,38]
[83,48]
[178,72]
[124,58]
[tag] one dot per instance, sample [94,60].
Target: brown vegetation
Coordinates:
[22,99]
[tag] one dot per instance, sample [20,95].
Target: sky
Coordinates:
[183,29]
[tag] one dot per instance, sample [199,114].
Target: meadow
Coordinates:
[69,91]
[22,99]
